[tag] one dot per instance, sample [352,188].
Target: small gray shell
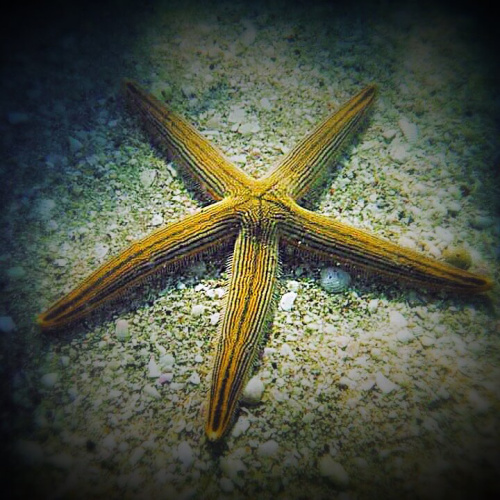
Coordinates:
[334,280]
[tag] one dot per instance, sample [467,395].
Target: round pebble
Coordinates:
[334,280]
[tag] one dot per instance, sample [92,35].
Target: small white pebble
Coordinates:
[147,177]
[241,426]
[384,384]
[165,377]
[236,115]
[265,103]
[194,378]
[197,310]
[153,370]
[166,361]
[214,318]
[152,391]
[122,330]
[185,454]
[157,220]
[444,234]
[405,336]
[397,320]
[252,393]
[398,151]
[454,207]
[286,351]
[389,134]
[287,300]
[100,250]
[427,340]
[478,402]
[410,130]
[232,467]
[268,449]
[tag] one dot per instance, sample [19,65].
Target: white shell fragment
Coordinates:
[334,280]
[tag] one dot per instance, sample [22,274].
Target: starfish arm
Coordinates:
[330,240]
[162,250]
[211,172]
[304,167]
[248,309]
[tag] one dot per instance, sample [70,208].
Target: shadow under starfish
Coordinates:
[256,217]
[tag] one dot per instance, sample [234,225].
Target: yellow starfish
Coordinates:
[255,217]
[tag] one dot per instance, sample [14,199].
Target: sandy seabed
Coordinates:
[377,392]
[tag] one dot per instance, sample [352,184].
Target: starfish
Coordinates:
[256,217]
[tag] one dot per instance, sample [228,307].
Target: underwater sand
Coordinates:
[376,392]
